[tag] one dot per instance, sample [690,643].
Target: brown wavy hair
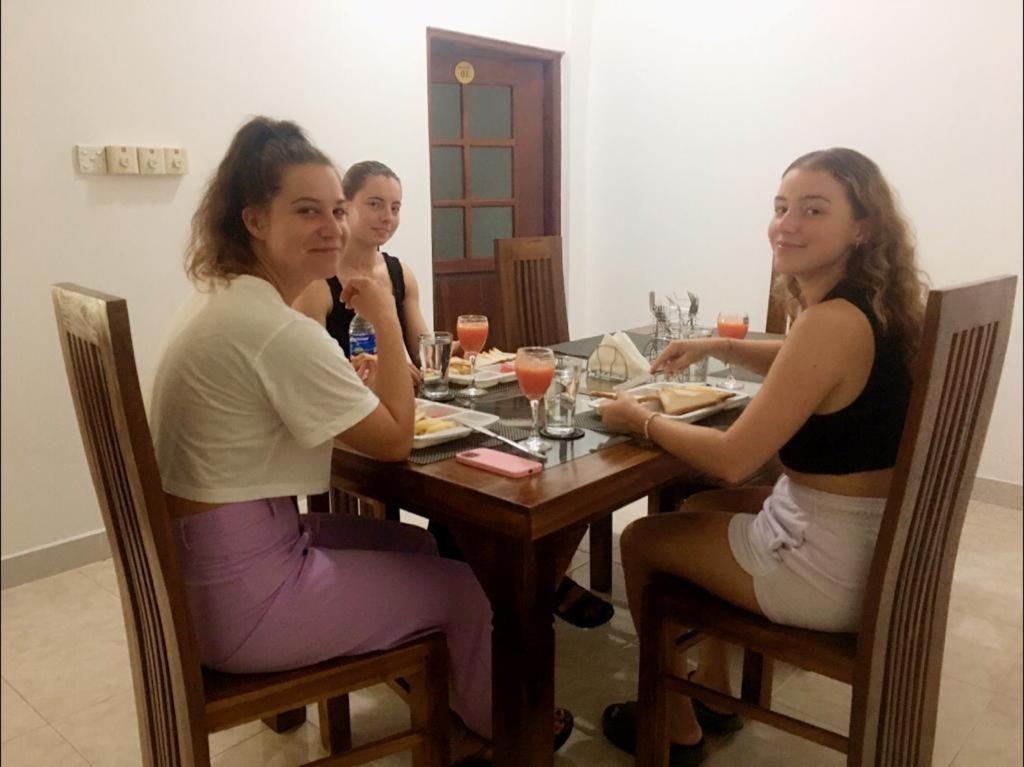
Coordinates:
[884,265]
[219,247]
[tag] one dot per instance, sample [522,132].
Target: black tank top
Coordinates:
[864,435]
[341,316]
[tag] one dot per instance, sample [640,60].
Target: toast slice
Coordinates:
[678,400]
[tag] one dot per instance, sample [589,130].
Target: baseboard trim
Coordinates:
[54,558]
[997,491]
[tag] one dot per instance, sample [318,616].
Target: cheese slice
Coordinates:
[679,400]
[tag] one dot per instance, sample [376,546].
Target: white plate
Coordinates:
[486,376]
[738,399]
[441,410]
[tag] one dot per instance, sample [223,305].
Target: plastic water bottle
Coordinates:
[362,339]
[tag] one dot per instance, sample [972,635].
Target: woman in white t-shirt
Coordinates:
[248,397]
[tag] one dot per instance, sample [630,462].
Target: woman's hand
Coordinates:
[366,368]
[370,299]
[624,414]
[683,353]
[417,375]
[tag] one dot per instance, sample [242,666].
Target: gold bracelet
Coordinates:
[647,423]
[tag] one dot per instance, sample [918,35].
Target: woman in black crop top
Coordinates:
[832,406]
[373,205]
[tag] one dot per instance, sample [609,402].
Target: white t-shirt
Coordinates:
[248,396]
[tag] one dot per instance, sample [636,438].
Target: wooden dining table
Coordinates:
[512,532]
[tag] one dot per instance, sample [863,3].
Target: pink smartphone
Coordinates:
[498,462]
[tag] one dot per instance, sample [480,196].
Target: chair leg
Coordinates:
[428,709]
[335,724]
[657,653]
[286,720]
[757,679]
[601,554]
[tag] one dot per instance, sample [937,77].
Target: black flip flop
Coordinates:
[568,722]
[619,724]
[586,611]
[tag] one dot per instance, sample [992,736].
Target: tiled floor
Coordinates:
[68,700]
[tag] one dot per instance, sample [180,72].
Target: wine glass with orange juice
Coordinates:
[733,325]
[535,367]
[472,330]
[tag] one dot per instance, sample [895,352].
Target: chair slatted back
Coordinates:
[98,356]
[900,647]
[532,291]
[777,320]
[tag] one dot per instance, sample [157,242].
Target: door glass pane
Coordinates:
[490,111]
[446,172]
[445,110]
[448,241]
[490,224]
[490,176]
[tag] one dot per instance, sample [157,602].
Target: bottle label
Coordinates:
[361,342]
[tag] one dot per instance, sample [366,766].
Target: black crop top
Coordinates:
[340,316]
[864,435]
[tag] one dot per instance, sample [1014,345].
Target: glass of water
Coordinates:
[435,354]
[560,400]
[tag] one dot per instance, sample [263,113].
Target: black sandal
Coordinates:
[584,610]
[619,724]
[568,722]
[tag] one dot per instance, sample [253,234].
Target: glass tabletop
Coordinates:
[514,410]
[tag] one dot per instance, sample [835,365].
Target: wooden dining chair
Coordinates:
[894,663]
[529,272]
[777,320]
[179,703]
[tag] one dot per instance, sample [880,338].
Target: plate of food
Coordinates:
[437,423]
[682,402]
[492,367]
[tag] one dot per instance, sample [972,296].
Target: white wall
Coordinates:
[677,120]
[696,108]
[169,74]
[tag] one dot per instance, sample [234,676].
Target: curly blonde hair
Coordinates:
[885,264]
[219,247]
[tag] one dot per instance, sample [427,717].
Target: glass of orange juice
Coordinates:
[535,367]
[733,325]
[472,330]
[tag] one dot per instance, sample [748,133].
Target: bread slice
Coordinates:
[677,400]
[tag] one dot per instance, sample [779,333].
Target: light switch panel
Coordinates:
[90,159]
[175,161]
[122,159]
[151,161]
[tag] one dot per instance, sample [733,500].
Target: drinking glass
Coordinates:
[560,401]
[733,325]
[435,354]
[535,367]
[472,330]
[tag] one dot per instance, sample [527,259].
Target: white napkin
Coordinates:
[628,363]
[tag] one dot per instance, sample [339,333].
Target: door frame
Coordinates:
[551,120]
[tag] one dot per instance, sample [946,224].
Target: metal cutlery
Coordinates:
[511,443]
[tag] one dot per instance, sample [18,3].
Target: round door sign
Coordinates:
[464,72]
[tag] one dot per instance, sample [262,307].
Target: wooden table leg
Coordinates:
[519,579]
[601,554]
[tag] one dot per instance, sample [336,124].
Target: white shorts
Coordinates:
[809,553]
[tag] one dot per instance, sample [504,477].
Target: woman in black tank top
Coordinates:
[833,402]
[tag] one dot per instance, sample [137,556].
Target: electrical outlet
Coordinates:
[151,161]
[122,160]
[175,161]
[90,159]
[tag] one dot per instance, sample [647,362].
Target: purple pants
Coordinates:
[270,591]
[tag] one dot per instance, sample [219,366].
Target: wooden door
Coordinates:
[494,165]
